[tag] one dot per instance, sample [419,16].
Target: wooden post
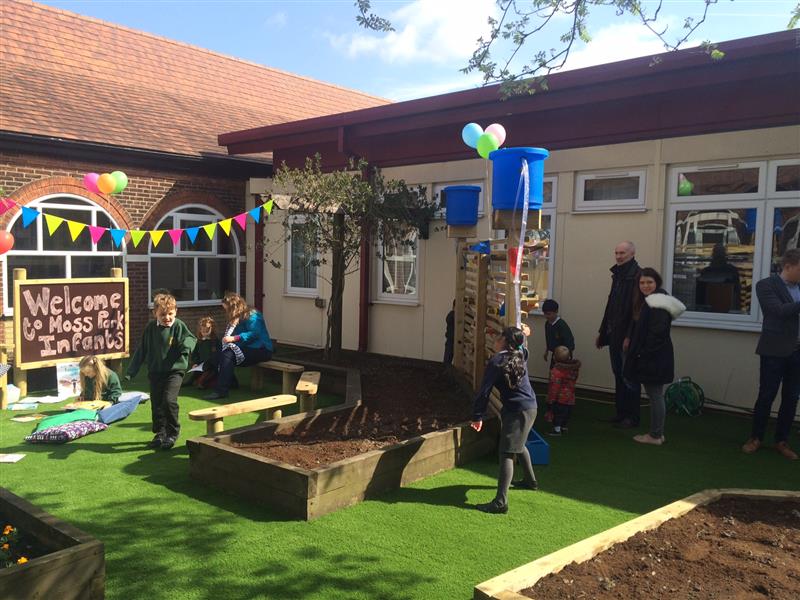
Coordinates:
[303,400]
[458,338]
[115,364]
[3,381]
[20,376]
[274,414]
[479,357]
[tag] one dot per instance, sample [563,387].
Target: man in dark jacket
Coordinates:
[779,349]
[614,329]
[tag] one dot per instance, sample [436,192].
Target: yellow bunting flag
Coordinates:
[136,236]
[209,229]
[53,223]
[225,226]
[268,207]
[156,235]
[75,229]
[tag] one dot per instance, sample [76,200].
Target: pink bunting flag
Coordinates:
[96,233]
[241,220]
[6,204]
[175,236]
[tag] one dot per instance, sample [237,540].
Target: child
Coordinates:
[556,331]
[166,346]
[561,391]
[207,344]
[98,382]
[449,335]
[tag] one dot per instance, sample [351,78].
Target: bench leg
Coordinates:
[312,402]
[213,426]
[274,413]
[287,383]
[302,399]
[256,378]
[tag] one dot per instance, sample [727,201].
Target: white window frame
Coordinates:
[39,204]
[553,179]
[439,186]
[772,178]
[179,216]
[675,173]
[381,297]
[637,204]
[291,290]
[551,260]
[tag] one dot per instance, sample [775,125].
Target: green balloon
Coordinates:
[685,188]
[121,181]
[487,144]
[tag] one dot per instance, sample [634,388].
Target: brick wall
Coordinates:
[149,196]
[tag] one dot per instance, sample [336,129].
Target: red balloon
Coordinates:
[6,242]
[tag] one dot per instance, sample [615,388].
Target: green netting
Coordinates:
[685,397]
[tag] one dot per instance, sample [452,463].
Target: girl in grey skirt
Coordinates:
[507,371]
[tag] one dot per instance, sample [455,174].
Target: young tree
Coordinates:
[339,209]
[521,23]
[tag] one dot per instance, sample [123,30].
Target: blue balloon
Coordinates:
[471,133]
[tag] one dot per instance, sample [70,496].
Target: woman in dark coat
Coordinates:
[650,360]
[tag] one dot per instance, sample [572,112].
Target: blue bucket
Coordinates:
[506,170]
[538,449]
[462,204]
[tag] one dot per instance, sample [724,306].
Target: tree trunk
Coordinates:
[333,342]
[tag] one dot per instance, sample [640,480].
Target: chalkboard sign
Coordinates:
[62,320]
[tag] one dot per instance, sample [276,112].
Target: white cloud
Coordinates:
[412,91]
[277,20]
[439,31]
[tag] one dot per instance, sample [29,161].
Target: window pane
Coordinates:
[215,277]
[25,238]
[785,234]
[788,179]
[106,244]
[225,244]
[547,194]
[173,274]
[37,267]
[611,188]
[303,272]
[201,242]
[713,262]
[61,238]
[539,259]
[400,268]
[710,183]
[94,266]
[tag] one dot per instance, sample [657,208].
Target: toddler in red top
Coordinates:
[561,390]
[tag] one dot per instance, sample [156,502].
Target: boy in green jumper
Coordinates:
[166,346]
[556,331]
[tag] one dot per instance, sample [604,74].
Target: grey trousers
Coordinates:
[658,409]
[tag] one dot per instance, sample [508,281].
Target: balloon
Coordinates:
[487,144]
[685,187]
[106,183]
[90,182]
[121,181]
[6,242]
[471,133]
[497,131]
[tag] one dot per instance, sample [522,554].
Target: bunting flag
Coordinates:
[29,215]
[156,235]
[117,235]
[95,232]
[268,207]
[191,233]
[209,229]
[75,229]
[53,223]
[175,236]
[136,237]
[6,204]
[255,213]
[226,226]
[241,220]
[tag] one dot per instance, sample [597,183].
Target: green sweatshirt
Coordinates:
[111,393]
[163,349]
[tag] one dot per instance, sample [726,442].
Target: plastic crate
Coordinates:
[538,449]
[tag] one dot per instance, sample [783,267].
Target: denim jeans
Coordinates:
[118,411]
[774,371]
[226,361]
[627,395]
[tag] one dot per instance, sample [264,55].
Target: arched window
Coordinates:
[195,273]
[47,256]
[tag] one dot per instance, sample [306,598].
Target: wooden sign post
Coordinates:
[63,320]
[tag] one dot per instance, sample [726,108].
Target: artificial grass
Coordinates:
[169,537]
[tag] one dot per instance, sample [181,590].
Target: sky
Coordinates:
[433,39]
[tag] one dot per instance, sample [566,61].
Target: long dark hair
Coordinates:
[638,296]
[513,365]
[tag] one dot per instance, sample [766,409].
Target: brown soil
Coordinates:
[402,398]
[733,549]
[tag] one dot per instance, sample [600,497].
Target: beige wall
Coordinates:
[722,362]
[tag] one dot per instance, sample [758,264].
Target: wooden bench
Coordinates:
[289,371]
[213,416]
[307,390]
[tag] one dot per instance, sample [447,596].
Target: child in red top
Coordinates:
[561,391]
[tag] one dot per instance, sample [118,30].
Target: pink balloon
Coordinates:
[90,182]
[497,131]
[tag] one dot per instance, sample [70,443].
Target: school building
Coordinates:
[679,155]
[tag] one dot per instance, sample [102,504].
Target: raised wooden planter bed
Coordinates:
[74,569]
[508,585]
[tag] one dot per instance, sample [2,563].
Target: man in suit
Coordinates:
[779,348]
[616,321]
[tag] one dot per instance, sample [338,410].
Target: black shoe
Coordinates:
[524,485]
[157,442]
[554,433]
[215,396]
[625,424]
[493,508]
[168,443]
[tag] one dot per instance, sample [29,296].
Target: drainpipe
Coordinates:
[363,304]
